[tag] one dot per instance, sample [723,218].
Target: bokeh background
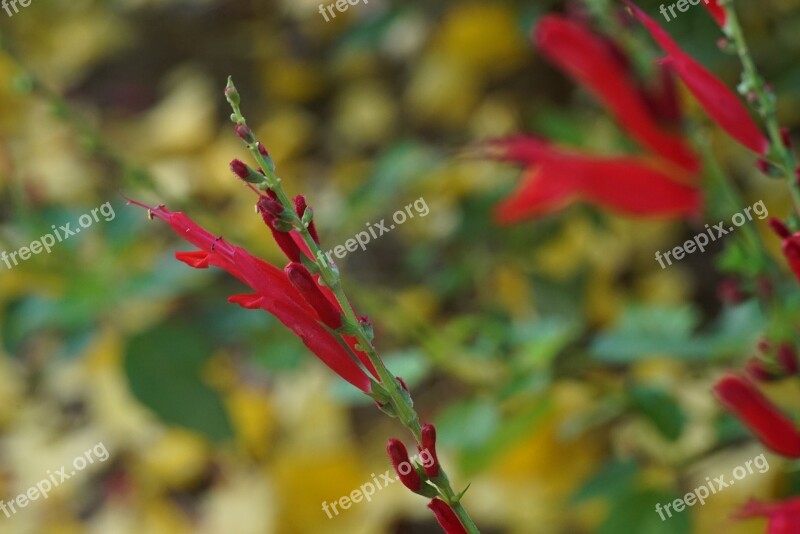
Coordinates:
[568,374]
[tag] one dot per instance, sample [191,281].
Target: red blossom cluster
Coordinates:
[662,182]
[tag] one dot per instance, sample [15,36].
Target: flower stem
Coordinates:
[398,399]
[753,83]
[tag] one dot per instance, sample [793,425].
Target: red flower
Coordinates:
[790,245]
[629,185]
[784,517]
[447,517]
[273,292]
[720,103]
[717,11]
[590,60]
[772,427]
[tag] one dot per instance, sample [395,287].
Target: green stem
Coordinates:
[752,81]
[398,399]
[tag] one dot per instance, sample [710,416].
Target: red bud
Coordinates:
[787,358]
[283,239]
[305,284]
[756,368]
[786,138]
[429,444]
[244,133]
[779,228]
[300,208]
[398,454]
[446,517]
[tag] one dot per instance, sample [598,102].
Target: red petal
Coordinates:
[308,288]
[249,302]
[717,11]
[769,424]
[717,99]
[586,58]
[197,259]
[629,185]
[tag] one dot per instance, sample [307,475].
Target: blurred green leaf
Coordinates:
[636,513]
[611,480]
[660,409]
[164,367]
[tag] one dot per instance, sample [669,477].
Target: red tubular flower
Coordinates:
[717,12]
[398,454]
[429,445]
[300,207]
[784,517]
[446,517]
[790,245]
[305,284]
[720,103]
[588,59]
[554,176]
[772,427]
[273,292]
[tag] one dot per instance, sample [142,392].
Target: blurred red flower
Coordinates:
[555,176]
[714,96]
[764,419]
[660,185]
[784,517]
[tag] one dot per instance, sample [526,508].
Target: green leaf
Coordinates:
[164,368]
[660,409]
[636,513]
[646,331]
[611,480]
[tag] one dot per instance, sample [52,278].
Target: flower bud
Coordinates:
[300,208]
[308,288]
[231,94]
[244,133]
[398,454]
[429,444]
[786,138]
[787,358]
[246,173]
[279,234]
[446,517]
[759,371]
[779,228]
